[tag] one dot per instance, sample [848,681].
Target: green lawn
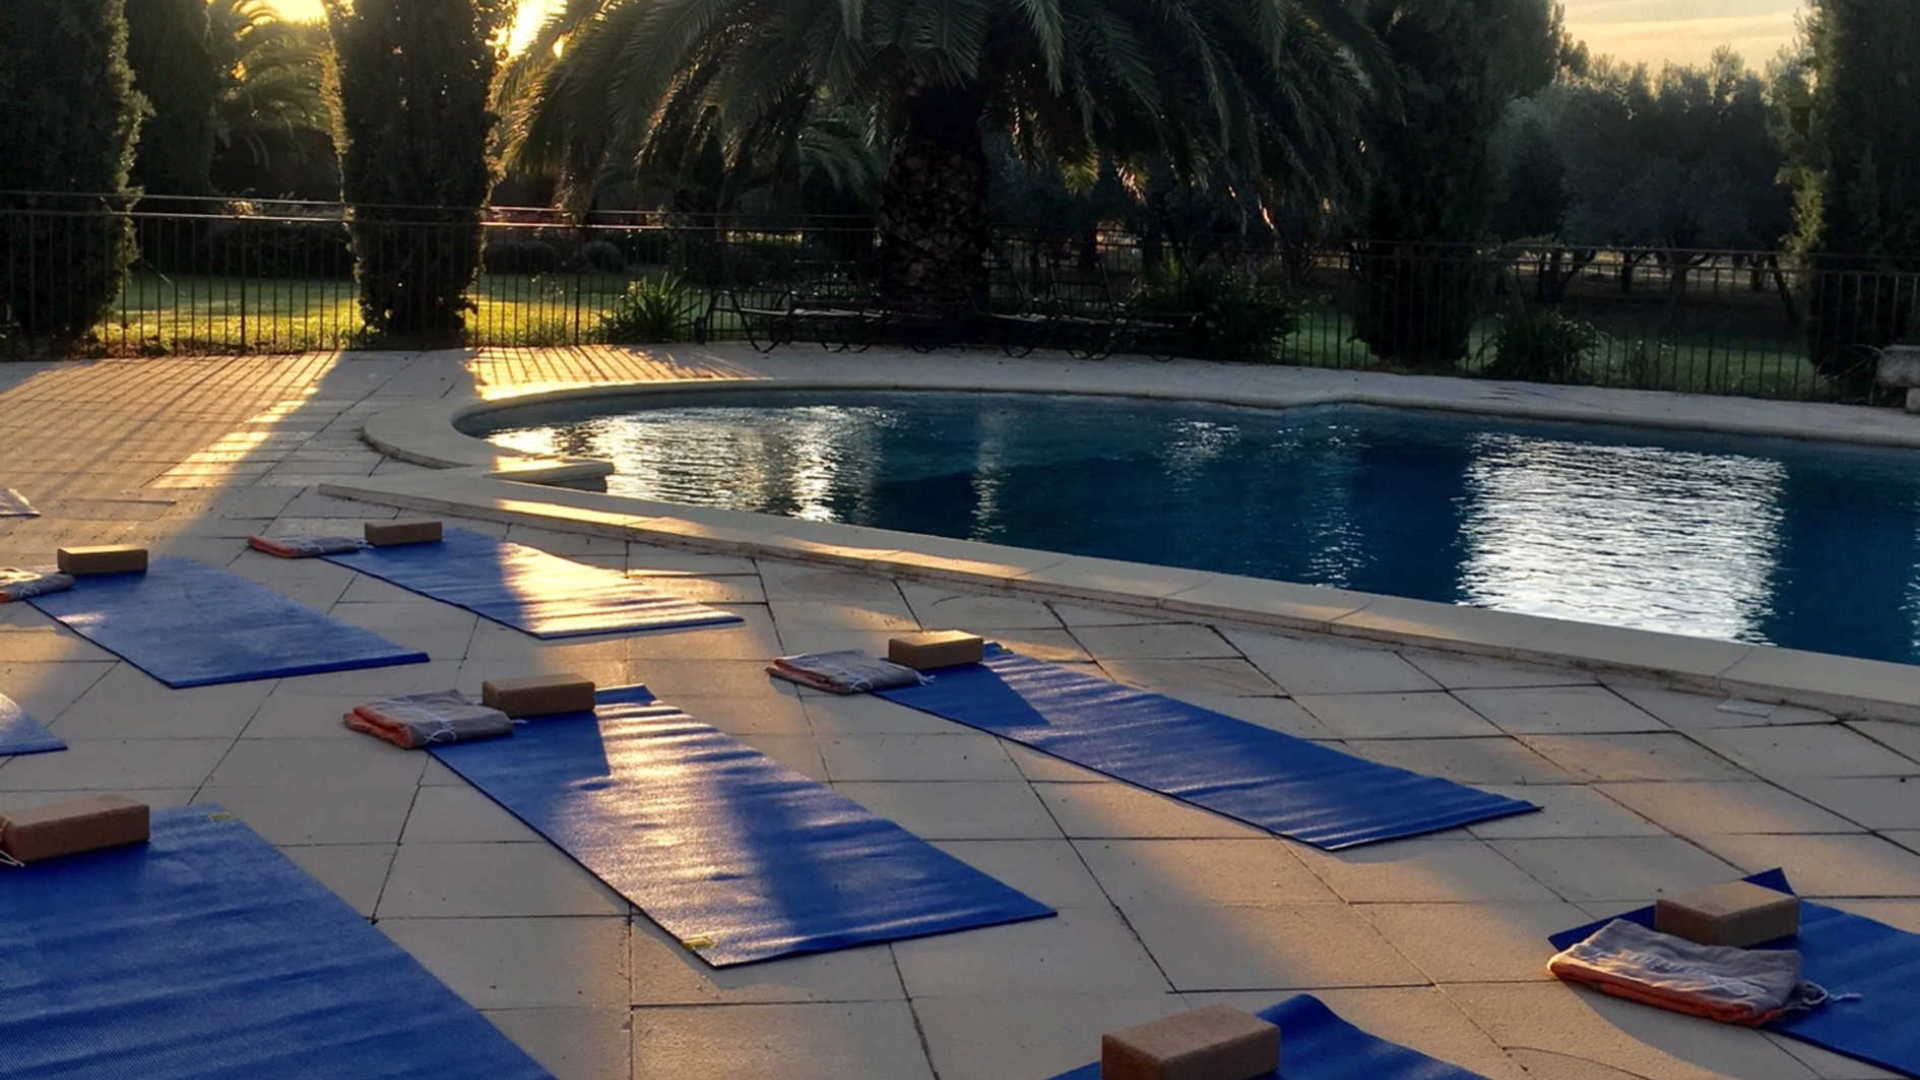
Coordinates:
[1714,351]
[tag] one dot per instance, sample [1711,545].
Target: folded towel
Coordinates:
[21,584]
[413,721]
[1736,986]
[845,672]
[14,504]
[304,547]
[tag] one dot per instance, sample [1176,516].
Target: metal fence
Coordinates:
[219,276]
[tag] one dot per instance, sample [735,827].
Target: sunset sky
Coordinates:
[1652,30]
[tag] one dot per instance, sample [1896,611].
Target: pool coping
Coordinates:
[477,479]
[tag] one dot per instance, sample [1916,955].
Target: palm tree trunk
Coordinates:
[934,229]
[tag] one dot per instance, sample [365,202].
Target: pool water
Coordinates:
[1773,541]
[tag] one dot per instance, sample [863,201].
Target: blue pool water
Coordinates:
[1802,544]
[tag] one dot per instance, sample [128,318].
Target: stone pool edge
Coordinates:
[496,483]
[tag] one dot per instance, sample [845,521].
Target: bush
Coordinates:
[604,256]
[1538,345]
[521,255]
[1234,318]
[267,249]
[69,125]
[652,310]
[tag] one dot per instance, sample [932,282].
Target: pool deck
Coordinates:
[1435,942]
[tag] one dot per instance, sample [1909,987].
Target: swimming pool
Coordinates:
[1770,541]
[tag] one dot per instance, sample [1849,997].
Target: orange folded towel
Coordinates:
[417,720]
[303,547]
[1734,986]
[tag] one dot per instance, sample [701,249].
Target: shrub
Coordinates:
[1540,345]
[521,255]
[415,79]
[266,248]
[1234,318]
[69,125]
[653,309]
[604,256]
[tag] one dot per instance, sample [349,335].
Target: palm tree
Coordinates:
[1199,88]
[272,75]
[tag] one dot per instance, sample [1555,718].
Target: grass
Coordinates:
[1724,348]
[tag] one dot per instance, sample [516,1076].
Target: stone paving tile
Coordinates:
[1050,871]
[1077,615]
[1634,757]
[1273,947]
[1698,712]
[958,810]
[572,1044]
[444,881]
[1055,646]
[864,714]
[1457,671]
[1009,1036]
[1306,666]
[1078,950]
[1629,869]
[760,714]
[1875,803]
[1827,1065]
[794,1042]
[1852,865]
[1181,678]
[325,763]
[314,814]
[1424,869]
[1829,750]
[355,872]
[755,639]
[1281,714]
[1111,810]
[1468,761]
[34,638]
[1424,715]
[968,756]
[731,589]
[1696,809]
[1576,1026]
[114,765]
[1903,737]
[127,703]
[460,814]
[647,560]
[800,581]
[815,640]
[946,609]
[1479,942]
[801,753]
[1565,810]
[1559,710]
[1163,641]
[522,962]
[1182,873]
[665,973]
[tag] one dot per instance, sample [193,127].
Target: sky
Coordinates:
[1650,30]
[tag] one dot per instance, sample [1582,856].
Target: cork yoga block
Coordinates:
[69,828]
[1214,1043]
[1736,914]
[538,695]
[102,559]
[389,533]
[936,649]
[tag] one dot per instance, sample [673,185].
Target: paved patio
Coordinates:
[1434,942]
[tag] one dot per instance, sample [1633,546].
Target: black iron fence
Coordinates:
[216,276]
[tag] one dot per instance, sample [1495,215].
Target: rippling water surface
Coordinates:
[1806,545]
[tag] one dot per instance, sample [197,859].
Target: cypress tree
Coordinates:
[415,131]
[173,68]
[1858,177]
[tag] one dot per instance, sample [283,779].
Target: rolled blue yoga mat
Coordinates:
[528,589]
[1263,777]
[1848,955]
[1315,1044]
[21,734]
[189,624]
[737,856]
[207,955]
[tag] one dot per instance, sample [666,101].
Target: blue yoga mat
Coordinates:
[1315,1044]
[734,854]
[1847,954]
[206,955]
[1250,773]
[528,589]
[188,624]
[21,734]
